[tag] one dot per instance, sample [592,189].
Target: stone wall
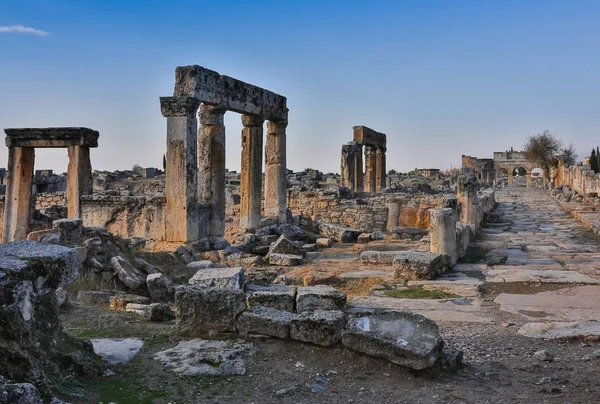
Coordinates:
[580,178]
[45,200]
[125,216]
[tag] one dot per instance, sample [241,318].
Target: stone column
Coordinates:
[358,168]
[393,207]
[442,233]
[251,181]
[17,202]
[380,169]
[370,169]
[347,169]
[510,178]
[467,196]
[211,168]
[528,177]
[79,179]
[181,186]
[275,171]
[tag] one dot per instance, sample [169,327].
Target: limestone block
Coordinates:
[364,238]
[93,298]
[146,267]
[320,327]
[197,265]
[309,247]
[185,255]
[284,245]
[120,302]
[378,257]
[285,259]
[319,297]
[160,287]
[159,312]
[280,297]
[228,278]
[137,308]
[377,235]
[127,273]
[403,338]
[324,242]
[265,321]
[201,311]
[418,265]
[338,233]
[70,231]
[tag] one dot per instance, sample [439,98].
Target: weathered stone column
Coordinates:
[380,169]
[79,179]
[370,169]
[347,169]
[358,168]
[251,181]
[393,207]
[467,196]
[181,209]
[211,167]
[275,171]
[17,202]
[442,233]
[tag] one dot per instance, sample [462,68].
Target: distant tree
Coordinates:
[545,149]
[164,162]
[569,155]
[594,161]
[598,157]
[136,167]
[392,172]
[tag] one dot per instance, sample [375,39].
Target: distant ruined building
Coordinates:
[502,166]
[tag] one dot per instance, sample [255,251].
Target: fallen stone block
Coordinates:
[93,298]
[309,247]
[19,393]
[364,238]
[379,257]
[336,232]
[228,278]
[159,312]
[70,231]
[137,308]
[160,287]
[117,350]
[418,265]
[201,311]
[562,330]
[184,254]
[287,260]
[120,302]
[404,338]
[265,321]
[146,267]
[132,277]
[323,242]
[284,245]
[199,357]
[319,297]
[320,327]
[197,265]
[377,235]
[280,297]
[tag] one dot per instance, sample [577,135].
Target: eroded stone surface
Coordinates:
[320,297]
[229,278]
[319,327]
[265,321]
[117,350]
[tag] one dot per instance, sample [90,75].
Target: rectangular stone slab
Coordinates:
[51,137]
[368,136]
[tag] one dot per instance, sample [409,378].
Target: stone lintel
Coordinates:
[210,87]
[178,106]
[368,136]
[51,137]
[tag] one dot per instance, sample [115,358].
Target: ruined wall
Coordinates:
[125,216]
[580,178]
[45,200]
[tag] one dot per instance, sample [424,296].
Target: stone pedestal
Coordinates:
[442,233]
[393,215]
[17,202]
[211,167]
[79,179]
[380,173]
[251,181]
[275,171]
[370,168]
[181,221]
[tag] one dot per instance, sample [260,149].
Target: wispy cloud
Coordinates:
[22,30]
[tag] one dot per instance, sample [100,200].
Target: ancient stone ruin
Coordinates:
[373,178]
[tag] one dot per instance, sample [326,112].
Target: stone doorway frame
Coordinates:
[21,143]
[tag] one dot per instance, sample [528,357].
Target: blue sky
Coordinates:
[440,78]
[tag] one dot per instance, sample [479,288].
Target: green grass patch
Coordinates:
[94,333]
[419,293]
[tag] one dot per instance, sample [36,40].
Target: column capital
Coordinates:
[250,121]
[277,127]
[211,114]
[178,106]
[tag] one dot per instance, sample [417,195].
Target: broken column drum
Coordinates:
[21,145]
[215,94]
[442,233]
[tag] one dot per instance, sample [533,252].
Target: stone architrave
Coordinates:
[181,210]
[275,171]
[251,179]
[211,166]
